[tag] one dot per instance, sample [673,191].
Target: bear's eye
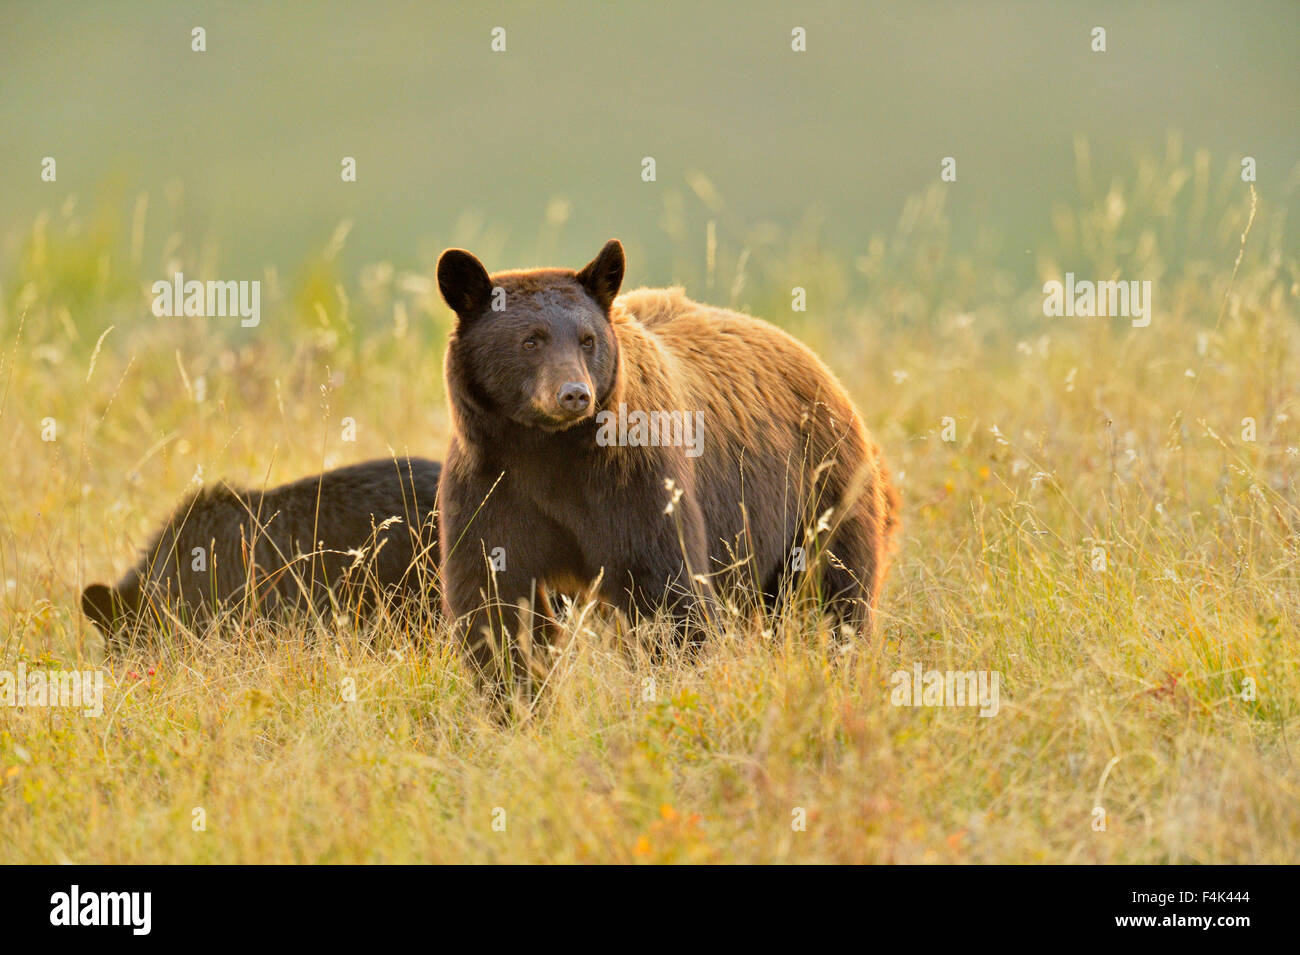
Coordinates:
[589,342]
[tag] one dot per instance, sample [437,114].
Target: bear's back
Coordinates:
[762,382]
[385,506]
[313,526]
[774,417]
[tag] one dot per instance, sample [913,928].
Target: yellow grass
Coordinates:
[1076,441]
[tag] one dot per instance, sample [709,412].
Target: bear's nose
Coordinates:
[574,396]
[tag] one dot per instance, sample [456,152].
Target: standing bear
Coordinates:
[669,456]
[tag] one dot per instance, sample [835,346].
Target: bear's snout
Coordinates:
[574,397]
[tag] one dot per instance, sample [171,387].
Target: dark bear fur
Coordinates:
[786,461]
[272,551]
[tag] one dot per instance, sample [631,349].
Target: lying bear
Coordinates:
[357,535]
[655,450]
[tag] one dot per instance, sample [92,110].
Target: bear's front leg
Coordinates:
[668,572]
[493,571]
[504,620]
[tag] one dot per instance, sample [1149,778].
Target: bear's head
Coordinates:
[112,609]
[535,346]
[167,576]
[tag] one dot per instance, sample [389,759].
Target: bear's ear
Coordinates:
[603,275]
[101,605]
[464,283]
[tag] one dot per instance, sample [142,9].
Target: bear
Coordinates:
[647,449]
[365,534]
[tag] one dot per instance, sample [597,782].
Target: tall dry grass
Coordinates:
[1099,531]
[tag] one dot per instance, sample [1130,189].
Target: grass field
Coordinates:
[1097,523]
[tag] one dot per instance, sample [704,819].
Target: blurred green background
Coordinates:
[535,154]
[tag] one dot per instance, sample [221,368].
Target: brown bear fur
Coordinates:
[288,547]
[783,452]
